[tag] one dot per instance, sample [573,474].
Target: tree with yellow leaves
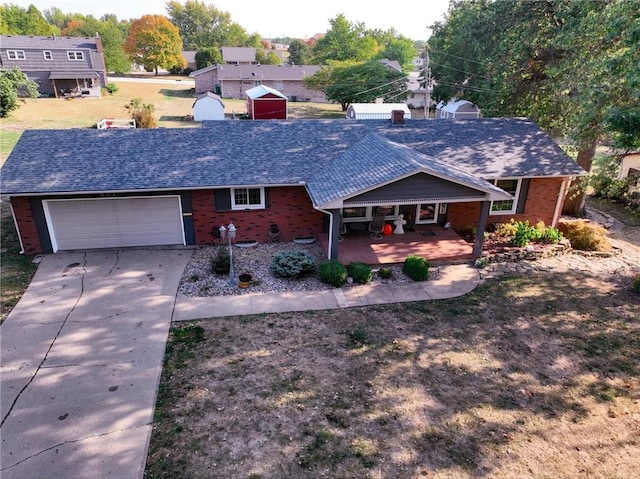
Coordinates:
[154,42]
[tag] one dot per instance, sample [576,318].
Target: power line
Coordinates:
[455,56]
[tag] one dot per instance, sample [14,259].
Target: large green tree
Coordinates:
[347,83]
[205,26]
[571,65]
[108,28]
[345,41]
[15,20]
[299,53]
[154,42]
[14,85]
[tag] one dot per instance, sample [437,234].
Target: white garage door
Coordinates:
[114,222]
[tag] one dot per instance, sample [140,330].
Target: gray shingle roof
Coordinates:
[46,43]
[237,153]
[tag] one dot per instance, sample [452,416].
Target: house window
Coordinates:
[75,55]
[502,207]
[247,198]
[278,84]
[427,213]
[47,55]
[16,55]
[354,213]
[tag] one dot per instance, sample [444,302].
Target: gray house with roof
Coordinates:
[83,188]
[61,66]
[232,81]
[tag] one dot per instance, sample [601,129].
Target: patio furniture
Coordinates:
[376,227]
[342,230]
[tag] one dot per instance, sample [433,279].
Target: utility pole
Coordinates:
[427,87]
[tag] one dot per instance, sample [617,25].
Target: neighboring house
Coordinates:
[392,65]
[190,57]
[232,81]
[375,111]
[239,55]
[264,103]
[457,110]
[61,66]
[208,106]
[244,55]
[175,186]
[417,96]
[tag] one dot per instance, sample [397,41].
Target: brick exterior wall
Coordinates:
[540,206]
[26,224]
[289,207]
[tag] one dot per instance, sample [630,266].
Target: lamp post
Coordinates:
[229,232]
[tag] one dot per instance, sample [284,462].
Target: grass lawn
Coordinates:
[526,377]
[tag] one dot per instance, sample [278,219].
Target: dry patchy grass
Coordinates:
[527,377]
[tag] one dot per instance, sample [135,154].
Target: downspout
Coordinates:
[330,243]
[564,188]
[15,222]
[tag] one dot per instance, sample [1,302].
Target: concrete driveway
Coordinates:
[81,361]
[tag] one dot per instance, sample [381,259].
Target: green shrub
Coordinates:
[585,236]
[636,283]
[525,233]
[111,88]
[416,268]
[221,262]
[360,272]
[142,113]
[551,235]
[385,273]
[292,264]
[333,272]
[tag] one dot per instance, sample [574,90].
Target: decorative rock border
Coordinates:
[527,253]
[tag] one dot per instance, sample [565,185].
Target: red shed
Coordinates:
[264,103]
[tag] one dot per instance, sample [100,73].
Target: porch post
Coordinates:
[481,226]
[334,229]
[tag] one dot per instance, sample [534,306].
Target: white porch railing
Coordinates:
[109,123]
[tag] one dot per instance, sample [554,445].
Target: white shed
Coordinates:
[208,106]
[376,111]
[457,109]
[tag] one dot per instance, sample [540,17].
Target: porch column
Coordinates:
[334,229]
[480,227]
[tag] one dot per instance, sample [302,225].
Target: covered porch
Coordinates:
[434,243]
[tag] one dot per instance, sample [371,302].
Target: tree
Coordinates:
[568,64]
[265,58]
[154,42]
[15,20]
[205,26]
[299,53]
[14,85]
[346,83]
[142,113]
[401,50]
[108,29]
[208,56]
[345,41]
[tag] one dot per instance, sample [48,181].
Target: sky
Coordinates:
[293,18]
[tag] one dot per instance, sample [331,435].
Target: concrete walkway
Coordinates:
[81,362]
[453,280]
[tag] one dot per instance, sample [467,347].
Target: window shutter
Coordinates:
[266,198]
[522,197]
[223,199]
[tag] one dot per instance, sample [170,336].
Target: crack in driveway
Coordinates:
[40,366]
[74,441]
